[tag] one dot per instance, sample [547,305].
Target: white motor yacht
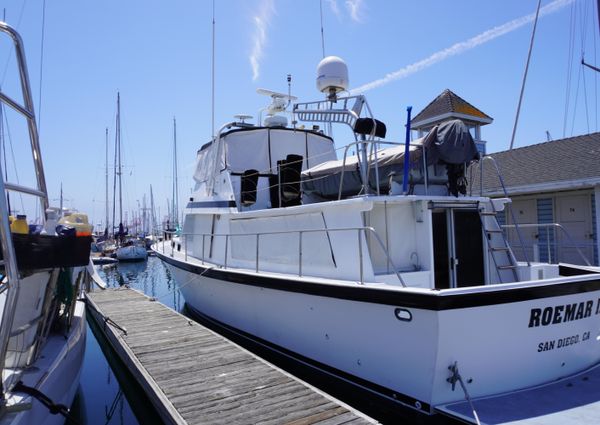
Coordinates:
[376,269]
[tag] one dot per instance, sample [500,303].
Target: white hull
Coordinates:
[56,376]
[132,253]
[404,360]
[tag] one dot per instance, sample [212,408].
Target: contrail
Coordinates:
[261,22]
[462,47]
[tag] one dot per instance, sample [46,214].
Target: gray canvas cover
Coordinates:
[451,143]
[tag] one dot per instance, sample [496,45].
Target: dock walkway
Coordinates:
[195,376]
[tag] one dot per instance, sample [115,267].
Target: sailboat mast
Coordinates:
[119,156]
[61,200]
[144,216]
[175,199]
[115,177]
[106,183]
[152,214]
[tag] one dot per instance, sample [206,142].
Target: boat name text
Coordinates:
[562,313]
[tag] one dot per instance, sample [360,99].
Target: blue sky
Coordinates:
[158,55]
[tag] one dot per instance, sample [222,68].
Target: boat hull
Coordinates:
[399,345]
[56,374]
[132,253]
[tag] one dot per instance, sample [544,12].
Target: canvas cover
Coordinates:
[324,179]
[450,143]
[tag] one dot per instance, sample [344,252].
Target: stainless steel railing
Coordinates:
[360,231]
[373,156]
[551,229]
[10,263]
[27,111]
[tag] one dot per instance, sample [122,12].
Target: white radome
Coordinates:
[332,75]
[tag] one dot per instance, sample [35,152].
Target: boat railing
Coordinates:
[373,156]
[361,233]
[27,111]
[550,233]
[324,110]
[512,213]
[9,258]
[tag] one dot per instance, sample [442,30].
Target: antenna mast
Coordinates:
[213,73]
[106,183]
[537,13]
[322,33]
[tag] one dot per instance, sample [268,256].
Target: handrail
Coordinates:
[512,213]
[548,226]
[364,230]
[6,241]
[330,114]
[27,110]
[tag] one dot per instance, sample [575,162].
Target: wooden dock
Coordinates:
[195,376]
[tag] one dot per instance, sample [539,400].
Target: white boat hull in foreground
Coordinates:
[55,374]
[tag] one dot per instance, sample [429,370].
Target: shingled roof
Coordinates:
[449,105]
[556,165]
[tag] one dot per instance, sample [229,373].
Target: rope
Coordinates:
[52,407]
[569,67]
[108,320]
[190,280]
[457,378]
[39,114]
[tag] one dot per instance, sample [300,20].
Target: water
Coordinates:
[102,399]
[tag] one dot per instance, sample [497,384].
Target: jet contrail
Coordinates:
[261,23]
[462,47]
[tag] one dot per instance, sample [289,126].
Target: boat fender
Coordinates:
[54,408]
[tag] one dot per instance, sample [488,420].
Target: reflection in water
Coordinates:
[104,399]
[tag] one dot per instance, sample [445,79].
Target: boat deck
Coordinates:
[573,400]
[193,375]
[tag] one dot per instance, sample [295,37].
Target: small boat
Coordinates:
[104,260]
[132,250]
[375,269]
[42,333]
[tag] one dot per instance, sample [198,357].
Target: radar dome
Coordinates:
[332,75]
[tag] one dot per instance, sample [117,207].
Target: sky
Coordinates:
[158,56]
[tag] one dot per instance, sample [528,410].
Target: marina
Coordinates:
[332,257]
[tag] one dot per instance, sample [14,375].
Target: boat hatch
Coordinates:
[572,400]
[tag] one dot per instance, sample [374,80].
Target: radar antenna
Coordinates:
[279,101]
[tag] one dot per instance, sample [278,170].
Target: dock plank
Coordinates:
[193,375]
